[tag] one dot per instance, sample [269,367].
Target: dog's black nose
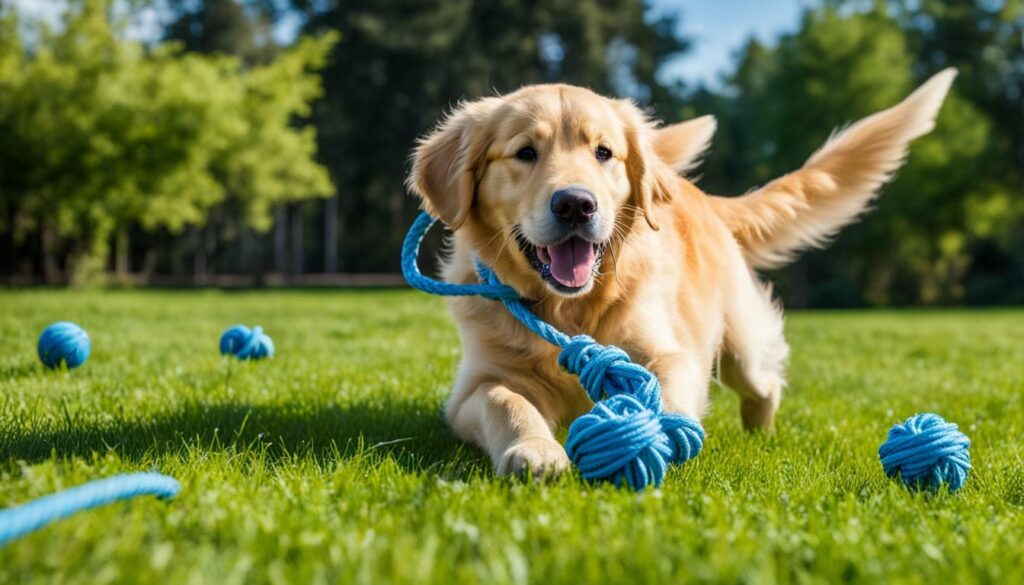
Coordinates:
[573,205]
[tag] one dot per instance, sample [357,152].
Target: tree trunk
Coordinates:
[121,259]
[331,235]
[149,264]
[297,240]
[343,259]
[252,256]
[281,239]
[799,295]
[397,223]
[51,270]
[199,268]
[179,254]
[210,242]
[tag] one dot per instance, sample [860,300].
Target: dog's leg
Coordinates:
[754,358]
[684,382]
[509,427]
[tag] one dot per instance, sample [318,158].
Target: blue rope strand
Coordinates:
[21,520]
[626,438]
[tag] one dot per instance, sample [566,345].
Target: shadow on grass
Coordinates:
[415,437]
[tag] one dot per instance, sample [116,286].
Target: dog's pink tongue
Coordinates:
[572,261]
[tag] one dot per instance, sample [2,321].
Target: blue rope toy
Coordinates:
[627,437]
[246,344]
[19,521]
[64,342]
[926,452]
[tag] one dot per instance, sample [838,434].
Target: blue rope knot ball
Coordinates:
[625,438]
[64,342]
[246,344]
[926,452]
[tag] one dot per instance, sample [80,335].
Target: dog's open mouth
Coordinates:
[567,265]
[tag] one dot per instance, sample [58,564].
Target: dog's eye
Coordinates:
[603,153]
[527,153]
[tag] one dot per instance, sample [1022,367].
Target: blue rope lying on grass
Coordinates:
[627,437]
[19,521]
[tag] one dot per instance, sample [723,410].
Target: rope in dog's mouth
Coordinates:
[627,438]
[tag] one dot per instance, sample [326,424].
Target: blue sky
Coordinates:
[716,27]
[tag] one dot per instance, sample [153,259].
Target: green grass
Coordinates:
[332,463]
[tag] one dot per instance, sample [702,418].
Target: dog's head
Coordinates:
[549,179]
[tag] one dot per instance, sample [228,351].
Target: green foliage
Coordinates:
[924,221]
[101,133]
[226,27]
[401,65]
[955,191]
[102,137]
[331,463]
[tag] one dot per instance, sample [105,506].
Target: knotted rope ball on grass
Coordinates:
[64,342]
[627,438]
[246,344]
[927,452]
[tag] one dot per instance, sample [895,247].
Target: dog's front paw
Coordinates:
[536,456]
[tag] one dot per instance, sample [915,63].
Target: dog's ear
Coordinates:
[447,163]
[649,177]
[682,145]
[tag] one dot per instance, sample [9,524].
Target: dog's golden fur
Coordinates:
[676,288]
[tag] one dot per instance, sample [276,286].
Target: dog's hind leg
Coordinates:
[754,355]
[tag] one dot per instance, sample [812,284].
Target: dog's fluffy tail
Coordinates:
[805,208]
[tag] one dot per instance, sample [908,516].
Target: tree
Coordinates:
[983,40]
[838,67]
[224,27]
[401,64]
[101,133]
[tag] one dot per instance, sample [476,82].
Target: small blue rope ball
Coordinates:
[64,342]
[246,344]
[926,452]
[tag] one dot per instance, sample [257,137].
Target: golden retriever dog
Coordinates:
[579,202]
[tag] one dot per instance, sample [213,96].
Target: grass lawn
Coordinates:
[332,463]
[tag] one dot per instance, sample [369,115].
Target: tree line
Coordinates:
[215,150]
